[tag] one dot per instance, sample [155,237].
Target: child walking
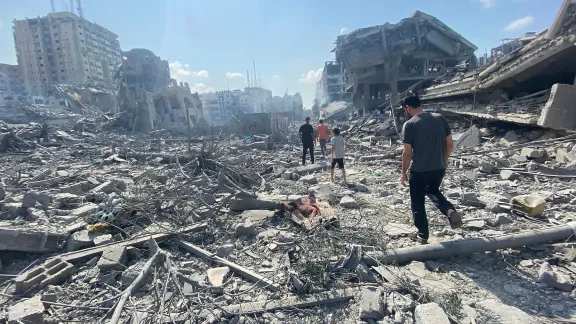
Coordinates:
[338,148]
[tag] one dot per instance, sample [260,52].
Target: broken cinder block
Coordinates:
[52,272]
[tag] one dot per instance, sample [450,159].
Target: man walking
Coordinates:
[322,131]
[428,144]
[307,134]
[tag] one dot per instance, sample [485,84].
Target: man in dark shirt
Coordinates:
[428,144]
[307,133]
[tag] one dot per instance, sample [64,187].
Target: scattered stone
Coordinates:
[493,311]
[430,314]
[554,279]
[361,187]
[286,176]
[371,304]
[503,220]
[130,274]
[50,294]
[384,193]
[496,208]
[103,239]
[85,210]
[246,229]
[509,175]
[348,202]
[310,179]
[224,250]
[533,153]
[2,192]
[29,200]
[486,167]
[295,177]
[509,139]
[471,199]
[29,311]
[113,258]
[400,303]
[216,276]
[80,240]
[526,263]
[475,225]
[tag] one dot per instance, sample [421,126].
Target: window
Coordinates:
[57,41]
[81,41]
[41,65]
[80,33]
[61,70]
[44,79]
[55,34]
[57,48]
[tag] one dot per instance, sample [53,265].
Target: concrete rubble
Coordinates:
[98,223]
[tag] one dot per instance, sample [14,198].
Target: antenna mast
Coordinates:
[79,8]
[72,6]
[52,5]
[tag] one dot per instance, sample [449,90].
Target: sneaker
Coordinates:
[455,220]
[417,238]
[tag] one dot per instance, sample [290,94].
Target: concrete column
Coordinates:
[366,99]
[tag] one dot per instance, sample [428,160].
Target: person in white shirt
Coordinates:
[338,149]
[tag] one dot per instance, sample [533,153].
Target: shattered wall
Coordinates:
[530,85]
[260,123]
[388,58]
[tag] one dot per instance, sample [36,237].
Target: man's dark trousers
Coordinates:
[305,147]
[424,184]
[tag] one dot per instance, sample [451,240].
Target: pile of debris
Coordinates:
[103,226]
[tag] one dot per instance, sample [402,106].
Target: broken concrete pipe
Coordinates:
[470,246]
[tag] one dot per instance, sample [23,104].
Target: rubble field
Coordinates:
[103,226]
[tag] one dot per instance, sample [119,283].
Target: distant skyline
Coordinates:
[211,44]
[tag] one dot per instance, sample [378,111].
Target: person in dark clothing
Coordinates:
[428,144]
[307,134]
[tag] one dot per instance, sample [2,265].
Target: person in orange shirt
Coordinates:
[322,131]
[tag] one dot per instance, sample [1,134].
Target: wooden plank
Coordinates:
[75,255]
[246,273]
[329,297]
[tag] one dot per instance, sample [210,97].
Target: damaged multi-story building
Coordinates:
[149,99]
[533,84]
[64,48]
[380,61]
[330,87]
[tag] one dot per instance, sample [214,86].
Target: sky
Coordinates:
[211,44]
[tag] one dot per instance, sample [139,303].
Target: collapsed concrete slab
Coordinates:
[559,112]
[13,239]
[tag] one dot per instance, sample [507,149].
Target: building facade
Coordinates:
[330,87]
[11,80]
[142,69]
[64,48]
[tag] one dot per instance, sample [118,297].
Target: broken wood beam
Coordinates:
[246,273]
[469,246]
[328,297]
[90,252]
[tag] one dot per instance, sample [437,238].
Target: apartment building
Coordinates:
[64,48]
[143,70]
[10,80]
[330,87]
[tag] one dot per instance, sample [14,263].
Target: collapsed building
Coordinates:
[380,61]
[330,87]
[533,84]
[149,99]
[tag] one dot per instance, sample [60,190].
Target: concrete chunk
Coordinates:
[348,202]
[84,210]
[216,276]
[113,258]
[371,304]
[80,240]
[532,153]
[430,314]
[29,200]
[246,228]
[29,311]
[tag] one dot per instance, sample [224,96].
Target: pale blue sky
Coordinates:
[288,39]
